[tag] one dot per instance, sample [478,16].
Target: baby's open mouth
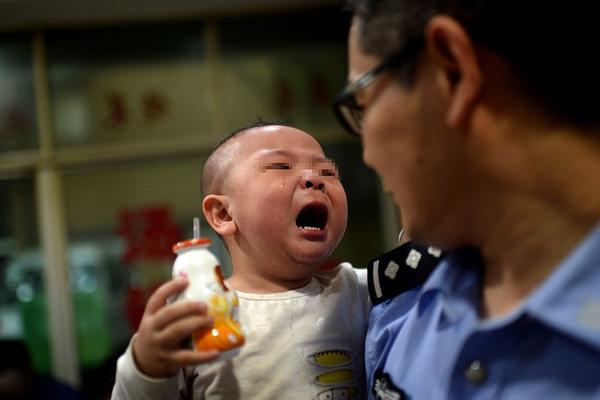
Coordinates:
[312,217]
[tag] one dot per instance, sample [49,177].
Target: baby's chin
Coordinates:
[308,254]
[311,260]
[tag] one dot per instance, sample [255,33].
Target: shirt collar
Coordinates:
[457,280]
[568,300]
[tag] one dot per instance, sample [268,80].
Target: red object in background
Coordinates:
[135,304]
[155,106]
[149,234]
[117,110]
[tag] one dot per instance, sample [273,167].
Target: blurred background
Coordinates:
[107,112]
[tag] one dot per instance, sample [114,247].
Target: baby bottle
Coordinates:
[206,284]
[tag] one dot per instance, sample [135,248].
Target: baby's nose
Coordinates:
[312,181]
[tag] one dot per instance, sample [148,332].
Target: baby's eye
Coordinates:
[278,165]
[328,172]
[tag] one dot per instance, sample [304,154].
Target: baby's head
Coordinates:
[274,198]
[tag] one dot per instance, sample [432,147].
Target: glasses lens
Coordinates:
[349,113]
[353,117]
[348,118]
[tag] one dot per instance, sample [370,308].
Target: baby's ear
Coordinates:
[216,212]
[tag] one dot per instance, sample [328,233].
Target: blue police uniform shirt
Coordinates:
[429,342]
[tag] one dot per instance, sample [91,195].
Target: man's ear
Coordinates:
[216,212]
[454,53]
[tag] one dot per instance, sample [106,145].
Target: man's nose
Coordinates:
[311,181]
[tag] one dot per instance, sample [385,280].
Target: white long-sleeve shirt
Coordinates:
[300,344]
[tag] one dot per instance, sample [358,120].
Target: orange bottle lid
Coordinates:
[189,243]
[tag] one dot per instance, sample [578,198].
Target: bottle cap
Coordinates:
[189,243]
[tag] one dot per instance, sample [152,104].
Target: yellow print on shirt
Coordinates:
[331,358]
[332,375]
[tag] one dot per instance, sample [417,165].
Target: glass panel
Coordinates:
[23,313]
[284,68]
[122,222]
[128,84]
[17,102]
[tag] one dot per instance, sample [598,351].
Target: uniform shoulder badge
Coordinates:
[401,269]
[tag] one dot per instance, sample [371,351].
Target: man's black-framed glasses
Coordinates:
[345,107]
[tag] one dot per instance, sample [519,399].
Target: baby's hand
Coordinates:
[156,348]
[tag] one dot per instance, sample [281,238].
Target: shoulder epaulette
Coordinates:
[401,269]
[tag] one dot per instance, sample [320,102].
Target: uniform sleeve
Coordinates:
[132,384]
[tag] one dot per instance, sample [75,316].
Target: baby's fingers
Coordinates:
[158,299]
[178,310]
[191,357]
[183,328]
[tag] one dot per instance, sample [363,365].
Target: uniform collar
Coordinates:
[568,300]
[457,281]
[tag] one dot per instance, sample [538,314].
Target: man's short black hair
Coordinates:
[549,44]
